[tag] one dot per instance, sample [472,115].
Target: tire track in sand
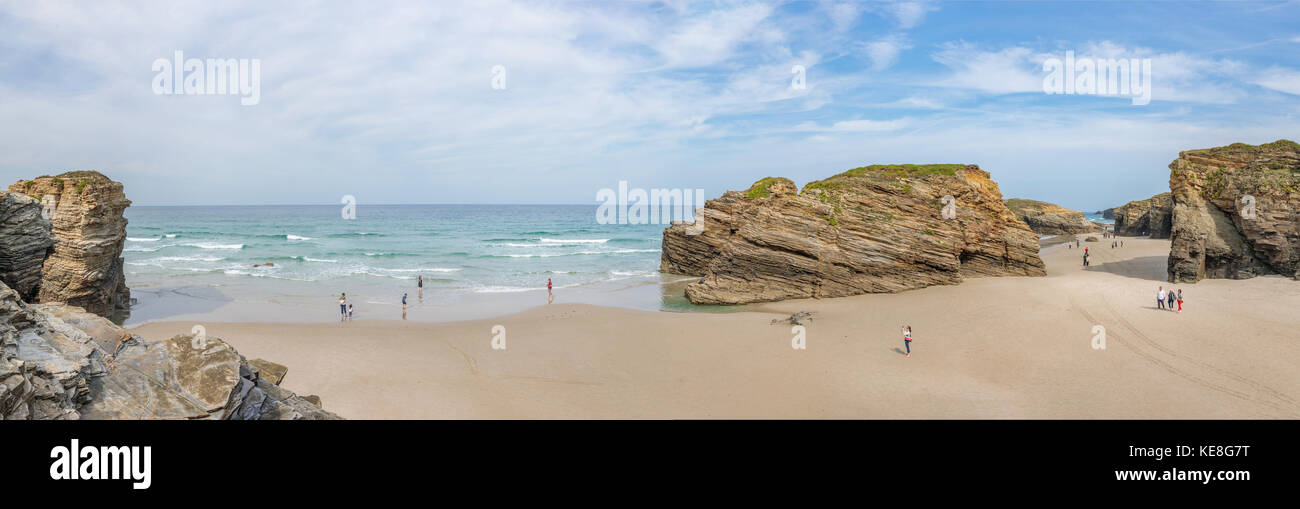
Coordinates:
[1221,380]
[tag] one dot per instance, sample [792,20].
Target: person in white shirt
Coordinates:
[1160,298]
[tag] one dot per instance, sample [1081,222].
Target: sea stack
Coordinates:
[1050,219]
[1151,217]
[874,229]
[85,267]
[1236,212]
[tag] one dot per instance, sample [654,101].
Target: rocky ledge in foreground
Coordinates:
[1152,216]
[1050,219]
[1217,234]
[85,267]
[873,229]
[60,362]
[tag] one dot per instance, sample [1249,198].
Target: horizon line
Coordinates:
[341,204]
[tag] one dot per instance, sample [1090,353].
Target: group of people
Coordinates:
[1165,300]
[345,307]
[1116,243]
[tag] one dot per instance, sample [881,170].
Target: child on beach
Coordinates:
[349,312]
[403,302]
[907,339]
[550,297]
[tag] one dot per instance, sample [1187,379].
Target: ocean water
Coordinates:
[1097,218]
[476,261]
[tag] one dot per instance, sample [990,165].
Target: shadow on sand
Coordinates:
[1147,268]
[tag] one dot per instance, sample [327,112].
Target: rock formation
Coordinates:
[1236,212]
[868,230]
[1050,219]
[25,243]
[85,268]
[1152,216]
[1107,214]
[59,362]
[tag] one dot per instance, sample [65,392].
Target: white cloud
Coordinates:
[1282,80]
[856,126]
[1006,71]
[712,38]
[910,13]
[884,52]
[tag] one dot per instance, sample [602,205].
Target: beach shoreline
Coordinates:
[1006,347]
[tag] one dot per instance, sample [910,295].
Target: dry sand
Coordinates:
[988,348]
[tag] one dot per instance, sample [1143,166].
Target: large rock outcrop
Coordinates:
[60,362]
[25,243]
[868,230]
[85,268]
[1216,233]
[1152,216]
[1050,219]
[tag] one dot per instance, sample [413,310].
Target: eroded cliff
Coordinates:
[1236,212]
[868,230]
[1050,219]
[85,267]
[1152,216]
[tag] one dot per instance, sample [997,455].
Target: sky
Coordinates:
[406,102]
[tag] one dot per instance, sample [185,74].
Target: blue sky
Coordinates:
[392,102]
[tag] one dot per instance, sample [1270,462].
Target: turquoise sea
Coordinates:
[476,261]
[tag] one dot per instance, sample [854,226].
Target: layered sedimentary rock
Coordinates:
[1152,216]
[1236,212]
[1107,214]
[1050,219]
[60,362]
[85,268]
[25,243]
[868,230]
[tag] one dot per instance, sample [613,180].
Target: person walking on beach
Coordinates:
[550,297]
[419,284]
[907,339]
[403,302]
[343,307]
[1180,300]
[1160,298]
[1170,303]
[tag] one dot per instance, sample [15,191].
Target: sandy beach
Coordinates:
[1009,347]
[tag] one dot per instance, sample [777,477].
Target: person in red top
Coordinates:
[907,339]
[550,297]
